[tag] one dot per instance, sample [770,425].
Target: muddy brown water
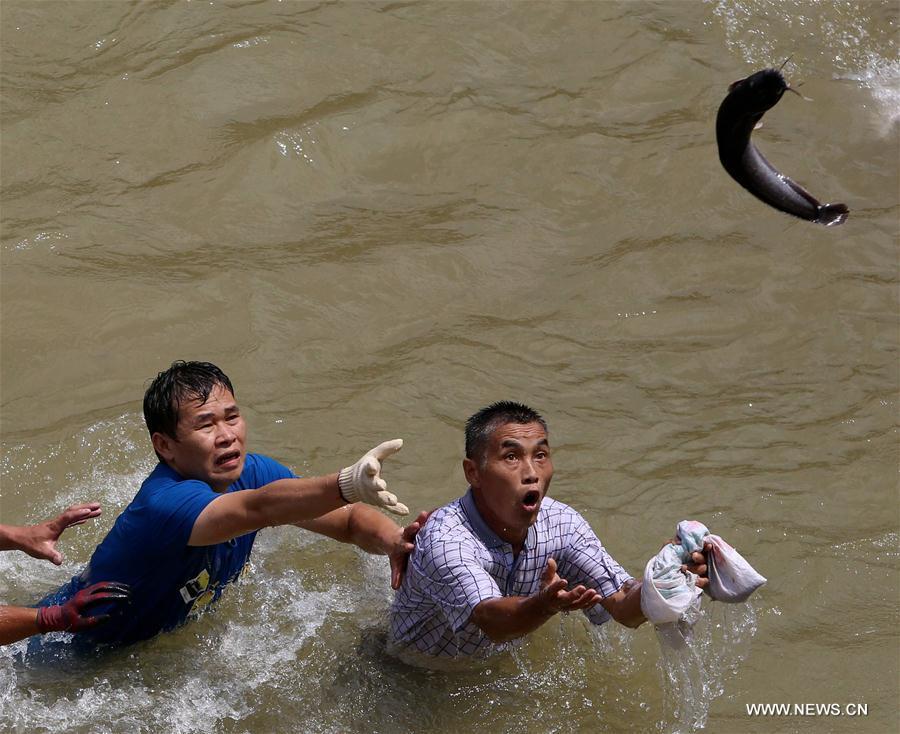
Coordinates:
[378,217]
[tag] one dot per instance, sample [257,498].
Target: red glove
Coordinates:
[72,616]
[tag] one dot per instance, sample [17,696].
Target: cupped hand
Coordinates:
[558,598]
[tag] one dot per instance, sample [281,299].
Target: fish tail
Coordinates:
[832,214]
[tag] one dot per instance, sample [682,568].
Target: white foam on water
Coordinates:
[261,643]
[28,471]
[197,683]
[882,77]
[110,442]
[48,700]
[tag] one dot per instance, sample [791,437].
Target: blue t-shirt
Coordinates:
[148,549]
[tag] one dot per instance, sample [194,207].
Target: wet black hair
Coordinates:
[170,389]
[481,425]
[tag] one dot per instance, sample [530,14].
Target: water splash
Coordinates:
[882,77]
[695,673]
[856,40]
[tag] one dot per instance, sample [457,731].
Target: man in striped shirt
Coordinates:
[503,559]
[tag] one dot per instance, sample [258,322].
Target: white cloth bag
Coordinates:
[668,593]
[731,578]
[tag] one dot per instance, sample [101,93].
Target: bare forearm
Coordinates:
[17,623]
[291,500]
[10,537]
[510,617]
[284,502]
[625,605]
[358,524]
[371,530]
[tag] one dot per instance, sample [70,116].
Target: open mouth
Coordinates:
[229,460]
[531,500]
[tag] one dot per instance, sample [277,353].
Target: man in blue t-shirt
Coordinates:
[190,529]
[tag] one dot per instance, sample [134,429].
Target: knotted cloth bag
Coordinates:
[668,593]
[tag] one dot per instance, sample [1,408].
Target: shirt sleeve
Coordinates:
[585,561]
[171,514]
[166,521]
[451,574]
[260,471]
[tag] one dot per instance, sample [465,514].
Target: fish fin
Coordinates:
[802,192]
[832,214]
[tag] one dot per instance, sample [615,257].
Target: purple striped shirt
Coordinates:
[459,562]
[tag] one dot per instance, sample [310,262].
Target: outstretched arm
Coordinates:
[17,623]
[75,615]
[284,502]
[292,501]
[366,528]
[509,617]
[39,541]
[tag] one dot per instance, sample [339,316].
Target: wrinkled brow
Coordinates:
[513,443]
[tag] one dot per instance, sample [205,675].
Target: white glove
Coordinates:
[362,482]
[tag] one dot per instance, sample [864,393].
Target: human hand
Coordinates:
[39,541]
[399,556]
[73,615]
[554,597]
[362,482]
[699,566]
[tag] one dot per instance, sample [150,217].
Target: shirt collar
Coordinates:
[483,530]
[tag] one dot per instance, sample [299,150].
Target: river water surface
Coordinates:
[377,218]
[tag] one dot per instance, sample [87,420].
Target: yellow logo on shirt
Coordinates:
[204,599]
[195,587]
